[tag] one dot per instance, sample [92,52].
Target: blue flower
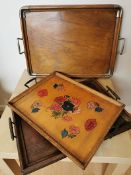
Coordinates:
[68,106]
[98,109]
[35,110]
[64,133]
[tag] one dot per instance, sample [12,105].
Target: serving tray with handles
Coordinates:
[78,40]
[68,114]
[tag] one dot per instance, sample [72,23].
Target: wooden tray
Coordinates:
[35,151]
[68,114]
[79,40]
[33,160]
[122,124]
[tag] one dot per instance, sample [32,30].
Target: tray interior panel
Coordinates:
[78,41]
[34,150]
[37,147]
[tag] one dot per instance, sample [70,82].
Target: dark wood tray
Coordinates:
[34,150]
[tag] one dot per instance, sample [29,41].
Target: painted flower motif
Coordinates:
[92,105]
[34,110]
[42,93]
[67,118]
[55,85]
[60,99]
[58,86]
[64,133]
[55,107]
[76,110]
[68,106]
[95,106]
[98,109]
[75,101]
[36,106]
[71,133]
[62,106]
[74,130]
[90,124]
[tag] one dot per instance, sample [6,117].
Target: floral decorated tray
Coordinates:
[73,117]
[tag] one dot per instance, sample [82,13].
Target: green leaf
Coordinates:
[63,113]
[56,113]
[71,136]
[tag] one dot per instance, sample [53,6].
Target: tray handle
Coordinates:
[29,81]
[113,93]
[18,44]
[122,46]
[12,135]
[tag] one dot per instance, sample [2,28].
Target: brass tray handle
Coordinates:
[11,129]
[29,81]
[123,45]
[18,44]
[113,93]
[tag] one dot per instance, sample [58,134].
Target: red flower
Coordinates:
[90,124]
[56,107]
[60,99]
[67,118]
[74,130]
[42,92]
[75,101]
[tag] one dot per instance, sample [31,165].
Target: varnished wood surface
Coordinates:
[21,105]
[108,152]
[76,40]
[35,151]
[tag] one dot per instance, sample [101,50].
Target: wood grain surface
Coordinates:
[77,40]
[81,148]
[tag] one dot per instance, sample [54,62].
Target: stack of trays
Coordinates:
[68,114]
[58,116]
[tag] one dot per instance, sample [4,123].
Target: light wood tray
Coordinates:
[79,40]
[73,117]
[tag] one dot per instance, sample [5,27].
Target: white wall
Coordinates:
[12,64]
